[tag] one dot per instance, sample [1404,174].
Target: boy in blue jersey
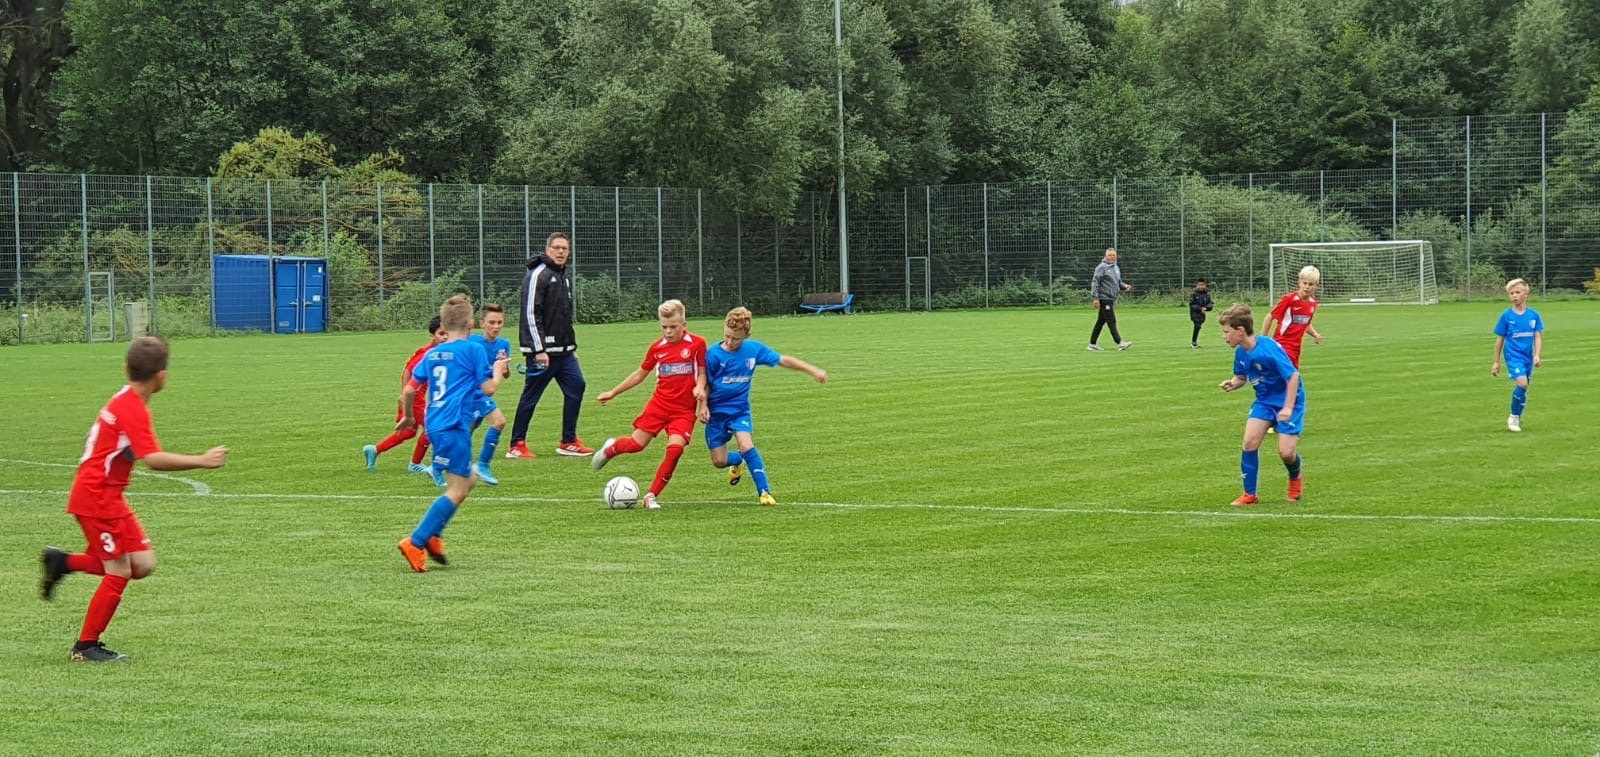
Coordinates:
[453,374]
[1280,400]
[1520,337]
[497,348]
[730,367]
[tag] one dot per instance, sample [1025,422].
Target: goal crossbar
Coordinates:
[1359,273]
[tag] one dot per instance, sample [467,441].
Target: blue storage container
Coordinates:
[263,293]
[300,295]
[242,292]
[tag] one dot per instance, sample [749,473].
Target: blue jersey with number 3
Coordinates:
[451,375]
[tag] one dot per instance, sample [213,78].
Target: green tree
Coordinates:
[34,40]
[1550,65]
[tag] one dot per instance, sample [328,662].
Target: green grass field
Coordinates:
[990,541]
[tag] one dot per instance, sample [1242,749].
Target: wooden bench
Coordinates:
[822,302]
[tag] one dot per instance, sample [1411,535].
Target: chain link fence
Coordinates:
[86,257]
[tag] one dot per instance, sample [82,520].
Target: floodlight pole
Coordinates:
[844,211]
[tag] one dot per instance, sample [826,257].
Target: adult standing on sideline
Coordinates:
[549,347]
[1104,287]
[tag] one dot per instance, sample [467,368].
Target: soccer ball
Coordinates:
[622,493]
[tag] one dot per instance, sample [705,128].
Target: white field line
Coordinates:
[199,488]
[1102,511]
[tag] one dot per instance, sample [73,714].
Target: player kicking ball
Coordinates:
[1280,400]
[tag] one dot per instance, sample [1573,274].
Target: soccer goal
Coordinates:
[1363,273]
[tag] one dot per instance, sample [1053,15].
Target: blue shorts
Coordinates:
[721,427]
[484,408]
[452,450]
[1516,369]
[1293,427]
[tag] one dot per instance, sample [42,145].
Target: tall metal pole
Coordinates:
[844,210]
[16,238]
[88,289]
[149,251]
[1544,211]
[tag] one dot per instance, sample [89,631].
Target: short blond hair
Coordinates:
[456,313]
[1239,316]
[1311,274]
[1515,283]
[673,309]
[738,321]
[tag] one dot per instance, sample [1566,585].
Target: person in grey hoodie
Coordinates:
[1106,285]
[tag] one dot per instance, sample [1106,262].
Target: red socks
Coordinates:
[393,440]
[85,563]
[668,465]
[422,449]
[625,446]
[102,607]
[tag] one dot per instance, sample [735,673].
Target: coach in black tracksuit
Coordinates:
[549,341]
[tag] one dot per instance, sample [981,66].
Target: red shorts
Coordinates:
[656,419]
[111,538]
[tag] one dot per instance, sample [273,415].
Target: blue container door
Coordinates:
[314,286]
[287,286]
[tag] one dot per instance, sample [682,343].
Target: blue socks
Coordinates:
[1293,468]
[758,469]
[433,523]
[491,439]
[1519,399]
[734,458]
[1249,467]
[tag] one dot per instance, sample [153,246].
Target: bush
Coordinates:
[600,301]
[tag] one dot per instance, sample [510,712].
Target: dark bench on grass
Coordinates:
[822,302]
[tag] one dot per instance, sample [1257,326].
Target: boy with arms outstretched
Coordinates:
[1280,400]
[679,361]
[730,367]
[497,348]
[371,451]
[1293,313]
[118,550]
[452,374]
[1519,336]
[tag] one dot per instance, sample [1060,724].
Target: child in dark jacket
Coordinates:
[1199,305]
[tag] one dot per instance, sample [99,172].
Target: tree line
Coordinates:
[738,96]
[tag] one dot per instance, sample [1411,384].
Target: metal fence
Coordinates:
[1498,196]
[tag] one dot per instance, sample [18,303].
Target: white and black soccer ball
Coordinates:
[622,493]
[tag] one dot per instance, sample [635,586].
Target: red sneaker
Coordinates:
[1245,500]
[573,448]
[519,451]
[435,548]
[415,557]
[1297,487]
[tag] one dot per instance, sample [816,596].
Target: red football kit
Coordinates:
[122,434]
[1293,315]
[671,407]
[419,403]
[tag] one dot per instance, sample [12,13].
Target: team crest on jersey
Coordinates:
[750,364]
[684,352]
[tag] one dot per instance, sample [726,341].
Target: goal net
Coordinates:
[1383,273]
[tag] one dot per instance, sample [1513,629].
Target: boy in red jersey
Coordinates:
[1292,315]
[371,451]
[679,360]
[118,549]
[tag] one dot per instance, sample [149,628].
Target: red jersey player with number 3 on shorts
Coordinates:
[118,549]
[679,361]
[1292,315]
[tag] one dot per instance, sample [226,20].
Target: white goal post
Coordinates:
[1361,273]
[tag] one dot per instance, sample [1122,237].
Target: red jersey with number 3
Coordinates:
[121,435]
[674,364]
[1293,316]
